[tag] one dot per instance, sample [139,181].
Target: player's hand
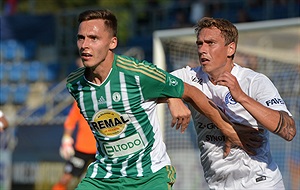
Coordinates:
[181,115]
[66,149]
[250,137]
[245,137]
[231,140]
[230,81]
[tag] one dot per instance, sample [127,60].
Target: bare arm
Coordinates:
[278,122]
[180,113]
[202,104]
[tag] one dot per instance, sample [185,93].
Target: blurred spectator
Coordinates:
[198,10]
[3,121]
[243,16]
[180,14]
[10,7]
[181,20]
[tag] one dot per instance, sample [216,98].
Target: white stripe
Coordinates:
[133,119]
[108,95]
[139,164]
[137,80]
[108,168]
[125,165]
[81,99]
[94,99]
[95,169]
[108,100]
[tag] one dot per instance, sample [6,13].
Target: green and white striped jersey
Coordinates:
[122,115]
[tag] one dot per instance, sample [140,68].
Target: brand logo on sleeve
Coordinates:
[173,81]
[274,101]
[109,123]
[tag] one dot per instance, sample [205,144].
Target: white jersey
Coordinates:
[238,170]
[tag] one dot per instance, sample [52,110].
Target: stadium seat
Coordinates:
[3,71]
[51,72]
[20,93]
[16,72]
[34,71]
[29,49]
[12,50]
[4,93]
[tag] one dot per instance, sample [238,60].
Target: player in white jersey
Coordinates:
[118,96]
[247,98]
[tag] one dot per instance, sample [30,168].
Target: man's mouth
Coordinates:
[204,60]
[85,55]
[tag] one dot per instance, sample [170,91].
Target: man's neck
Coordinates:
[98,74]
[215,75]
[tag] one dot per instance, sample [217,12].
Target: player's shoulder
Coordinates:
[133,66]
[76,75]
[248,74]
[243,71]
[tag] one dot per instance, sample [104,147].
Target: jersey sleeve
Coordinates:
[183,74]
[157,83]
[265,92]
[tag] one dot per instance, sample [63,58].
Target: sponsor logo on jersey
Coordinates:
[229,99]
[207,125]
[109,123]
[173,81]
[125,146]
[274,101]
[214,138]
[197,80]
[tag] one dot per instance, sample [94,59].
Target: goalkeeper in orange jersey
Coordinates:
[81,154]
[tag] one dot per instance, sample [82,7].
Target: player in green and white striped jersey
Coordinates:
[118,96]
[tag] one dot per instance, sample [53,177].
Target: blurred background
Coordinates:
[38,51]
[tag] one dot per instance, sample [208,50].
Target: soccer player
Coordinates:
[247,98]
[118,96]
[81,154]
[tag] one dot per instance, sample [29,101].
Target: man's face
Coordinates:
[212,51]
[94,41]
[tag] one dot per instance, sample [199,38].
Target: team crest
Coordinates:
[116,96]
[173,81]
[109,123]
[229,99]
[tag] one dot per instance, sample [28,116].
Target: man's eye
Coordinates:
[199,43]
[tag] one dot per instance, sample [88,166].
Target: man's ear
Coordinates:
[113,43]
[231,49]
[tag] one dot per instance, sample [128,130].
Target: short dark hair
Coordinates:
[104,14]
